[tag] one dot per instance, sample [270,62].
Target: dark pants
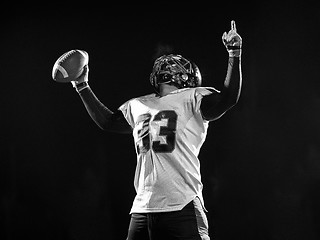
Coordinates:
[190,223]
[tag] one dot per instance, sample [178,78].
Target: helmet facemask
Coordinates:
[175,70]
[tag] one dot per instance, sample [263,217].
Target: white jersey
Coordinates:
[168,133]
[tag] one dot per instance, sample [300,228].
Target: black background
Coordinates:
[64,178]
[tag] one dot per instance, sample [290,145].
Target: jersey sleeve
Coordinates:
[200,92]
[126,111]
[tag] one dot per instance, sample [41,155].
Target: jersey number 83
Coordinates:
[158,134]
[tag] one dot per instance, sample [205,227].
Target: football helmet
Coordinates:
[176,70]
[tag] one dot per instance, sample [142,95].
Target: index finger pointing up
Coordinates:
[233,26]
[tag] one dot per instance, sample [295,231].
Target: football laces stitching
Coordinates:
[63,58]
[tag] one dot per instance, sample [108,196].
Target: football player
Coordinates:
[169,128]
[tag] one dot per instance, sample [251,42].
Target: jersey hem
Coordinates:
[160,210]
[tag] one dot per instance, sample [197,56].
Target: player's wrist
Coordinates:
[79,86]
[234,51]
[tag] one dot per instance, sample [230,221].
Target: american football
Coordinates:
[69,66]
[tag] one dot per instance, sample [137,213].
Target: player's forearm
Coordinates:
[99,113]
[233,81]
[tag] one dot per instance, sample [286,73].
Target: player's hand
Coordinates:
[232,41]
[82,79]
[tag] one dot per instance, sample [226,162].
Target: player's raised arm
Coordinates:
[73,67]
[100,114]
[214,105]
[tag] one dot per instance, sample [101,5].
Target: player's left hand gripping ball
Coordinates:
[69,66]
[232,41]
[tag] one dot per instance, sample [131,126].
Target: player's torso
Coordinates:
[163,123]
[168,133]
